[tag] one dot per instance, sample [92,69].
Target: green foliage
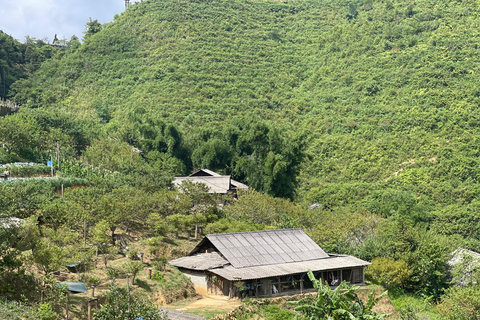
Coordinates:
[29,171]
[45,312]
[133,267]
[16,311]
[121,306]
[17,61]
[48,257]
[389,273]
[276,313]
[367,108]
[461,303]
[157,276]
[111,155]
[92,27]
[341,303]
[259,209]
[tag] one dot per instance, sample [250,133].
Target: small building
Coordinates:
[265,264]
[215,182]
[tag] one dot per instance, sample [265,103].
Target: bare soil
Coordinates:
[206,303]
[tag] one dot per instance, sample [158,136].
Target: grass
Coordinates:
[412,304]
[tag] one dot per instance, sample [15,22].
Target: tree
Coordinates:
[340,304]
[214,154]
[267,158]
[92,27]
[133,267]
[48,257]
[112,155]
[120,306]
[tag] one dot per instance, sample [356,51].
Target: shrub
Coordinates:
[45,312]
[157,276]
[389,273]
[461,303]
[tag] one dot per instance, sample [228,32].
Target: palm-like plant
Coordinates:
[342,303]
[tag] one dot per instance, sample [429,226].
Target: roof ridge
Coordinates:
[259,231]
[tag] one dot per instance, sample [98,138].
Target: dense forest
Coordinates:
[369,109]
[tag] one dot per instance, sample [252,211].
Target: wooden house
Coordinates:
[215,182]
[265,264]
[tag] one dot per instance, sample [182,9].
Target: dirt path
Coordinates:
[209,303]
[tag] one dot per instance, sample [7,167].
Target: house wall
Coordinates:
[289,284]
[217,285]
[198,278]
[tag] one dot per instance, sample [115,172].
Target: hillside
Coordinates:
[20,60]
[384,93]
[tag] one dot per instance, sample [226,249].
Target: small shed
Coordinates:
[265,264]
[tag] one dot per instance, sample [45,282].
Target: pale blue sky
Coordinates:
[45,18]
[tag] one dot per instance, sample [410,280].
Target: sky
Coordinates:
[44,18]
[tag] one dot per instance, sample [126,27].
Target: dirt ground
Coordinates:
[206,303]
[384,306]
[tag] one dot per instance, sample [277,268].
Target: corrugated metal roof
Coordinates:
[331,263]
[203,261]
[216,184]
[257,248]
[239,185]
[173,314]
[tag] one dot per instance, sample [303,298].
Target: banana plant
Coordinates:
[341,303]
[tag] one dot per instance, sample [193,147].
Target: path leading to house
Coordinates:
[208,303]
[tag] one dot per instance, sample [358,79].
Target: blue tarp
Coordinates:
[77,287]
[73,265]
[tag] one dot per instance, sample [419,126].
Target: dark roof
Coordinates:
[260,248]
[203,173]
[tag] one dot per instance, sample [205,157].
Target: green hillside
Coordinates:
[20,60]
[368,108]
[384,93]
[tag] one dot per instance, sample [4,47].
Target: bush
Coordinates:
[45,312]
[157,276]
[461,303]
[389,273]
[30,170]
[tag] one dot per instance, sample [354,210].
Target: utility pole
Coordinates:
[128,293]
[58,155]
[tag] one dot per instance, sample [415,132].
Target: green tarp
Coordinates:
[77,287]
